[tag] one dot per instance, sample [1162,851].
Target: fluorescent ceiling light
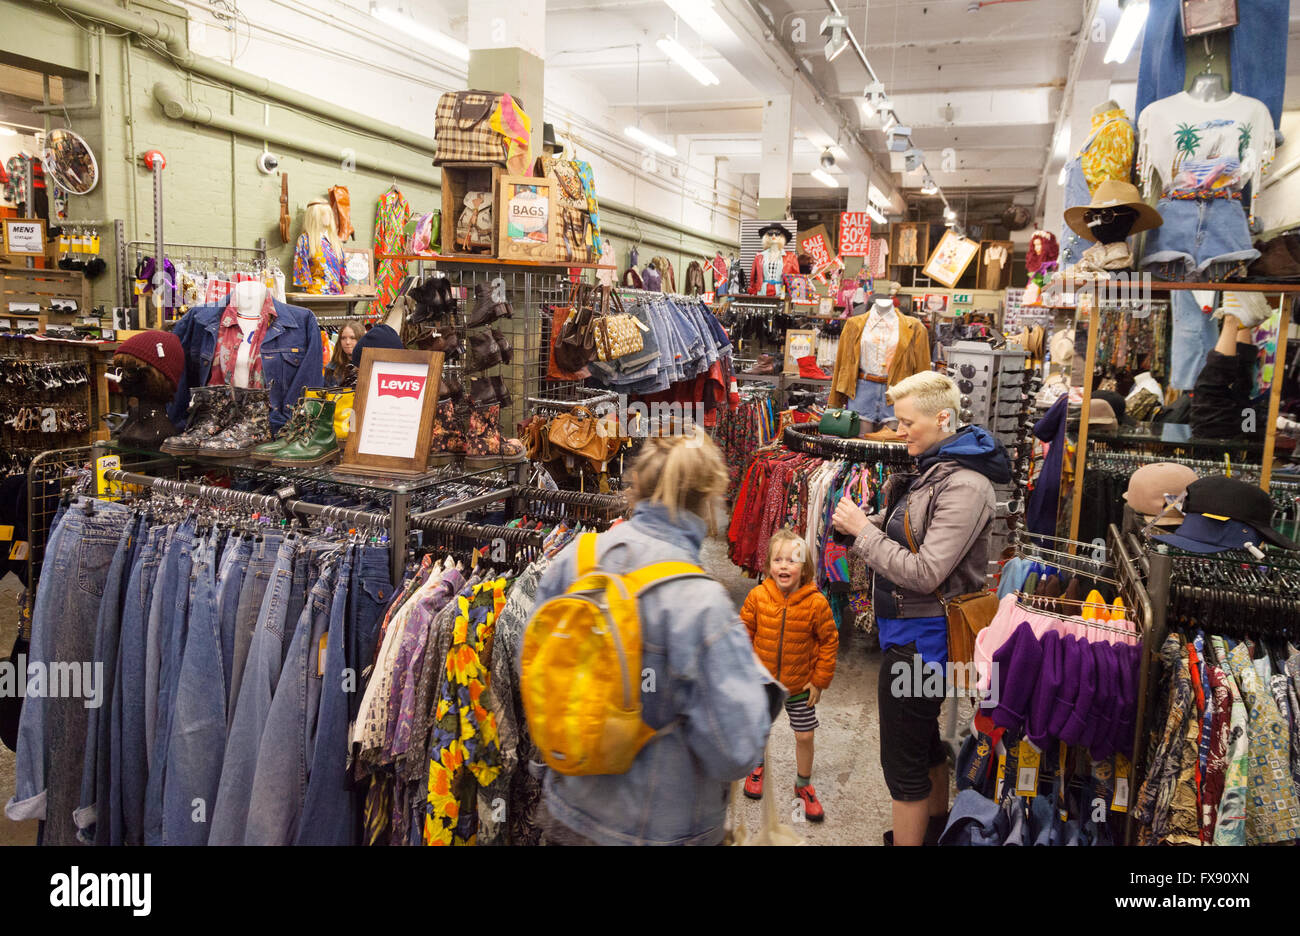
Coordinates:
[875,215]
[432,37]
[1060,179]
[656,144]
[1130,25]
[677,52]
[825,178]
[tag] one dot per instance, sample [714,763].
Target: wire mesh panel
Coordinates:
[49,475]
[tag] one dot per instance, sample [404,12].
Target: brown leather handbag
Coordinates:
[578,431]
[341,202]
[967,615]
[577,342]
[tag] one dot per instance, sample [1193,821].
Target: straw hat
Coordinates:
[1114,194]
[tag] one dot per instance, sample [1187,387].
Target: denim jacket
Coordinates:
[700,671]
[291,356]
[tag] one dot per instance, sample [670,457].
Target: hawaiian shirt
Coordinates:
[229,338]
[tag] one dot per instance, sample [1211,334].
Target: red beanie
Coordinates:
[160,350]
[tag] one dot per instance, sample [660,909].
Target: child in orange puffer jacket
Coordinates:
[795,637]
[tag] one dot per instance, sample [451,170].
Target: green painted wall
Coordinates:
[213,191]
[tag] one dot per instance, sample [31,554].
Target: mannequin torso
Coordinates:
[1208,88]
[879,338]
[248,299]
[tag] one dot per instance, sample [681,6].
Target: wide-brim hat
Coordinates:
[775,228]
[548,140]
[1114,194]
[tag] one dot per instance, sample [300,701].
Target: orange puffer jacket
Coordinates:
[795,637]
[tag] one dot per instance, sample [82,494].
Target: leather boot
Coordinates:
[316,443]
[507,352]
[484,444]
[486,309]
[766,365]
[250,425]
[449,388]
[210,411]
[482,393]
[483,352]
[443,338]
[501,391]
[808,369]
[149,427]
[448,435]
[289,432]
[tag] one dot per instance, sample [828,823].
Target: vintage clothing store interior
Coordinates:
[310,391]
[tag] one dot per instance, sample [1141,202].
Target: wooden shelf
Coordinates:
[490,261]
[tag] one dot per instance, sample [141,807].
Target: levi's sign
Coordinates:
[398,385]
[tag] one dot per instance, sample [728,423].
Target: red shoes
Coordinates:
[808,368]
[754,783]
[812,806]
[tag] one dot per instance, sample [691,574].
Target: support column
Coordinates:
[507,55]
[778,158]
[858,200]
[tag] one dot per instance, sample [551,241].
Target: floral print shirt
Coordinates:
[230,336]
[320,271]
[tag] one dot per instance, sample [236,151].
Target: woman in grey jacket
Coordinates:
[930,541]
[700,674]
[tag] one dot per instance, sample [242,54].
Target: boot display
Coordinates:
[289,432]
[449,388]
[211,410]
[484,444]
[766,365]
[501,391]
[483,352]
[316,443]
[448,436]
[249,426]
[148,426]
[486,309]
[489,391]
[503,346]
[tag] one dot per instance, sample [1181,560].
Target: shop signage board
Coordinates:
[816,243]
[25,238]
[396,395]
[527,218]
[855,234]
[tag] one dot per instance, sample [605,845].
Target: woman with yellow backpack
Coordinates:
[642,691]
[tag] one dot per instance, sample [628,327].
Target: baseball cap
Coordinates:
[1101,414]
[1222,498]
[1201,534]
[1151,484]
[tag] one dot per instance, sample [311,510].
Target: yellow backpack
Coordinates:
[581,675]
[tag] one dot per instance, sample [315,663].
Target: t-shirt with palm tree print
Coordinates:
[1204,150]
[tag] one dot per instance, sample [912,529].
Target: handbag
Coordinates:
[344,400]
[967,615]
[578,431]
[474,227]
[577,343]
[618,334]
[463,128]
[841,422]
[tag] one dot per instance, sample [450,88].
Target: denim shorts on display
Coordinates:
[1199,232]
[869,402]
[1195,334]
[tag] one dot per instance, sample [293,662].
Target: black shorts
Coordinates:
[909,733]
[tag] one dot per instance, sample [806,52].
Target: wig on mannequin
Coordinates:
[318,225]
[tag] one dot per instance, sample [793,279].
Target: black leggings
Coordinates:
[909,730]
[1223,392]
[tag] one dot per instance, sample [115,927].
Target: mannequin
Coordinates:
[772,264]
[1208,87]
[1105,108]
[248,299]
[877,348]
[318,256]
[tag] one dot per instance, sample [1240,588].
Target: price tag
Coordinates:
[19,552]
[6,534]
[1028,759]
[320,654]
[1002,775]
[1122,772]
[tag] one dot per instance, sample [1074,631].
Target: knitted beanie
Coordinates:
[160,350]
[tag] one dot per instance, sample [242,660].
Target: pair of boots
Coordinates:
[490,391]
[766,365]
[474,434]
[442,338]
[433,301]
[488,349]
[223,422]
[307,439]
[486,308]
[808,369]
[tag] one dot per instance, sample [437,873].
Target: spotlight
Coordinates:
[828,159]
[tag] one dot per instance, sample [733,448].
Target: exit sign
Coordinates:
[962,299]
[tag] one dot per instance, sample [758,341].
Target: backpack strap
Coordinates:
[586,554]
[659,572]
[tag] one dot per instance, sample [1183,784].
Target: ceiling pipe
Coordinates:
[179,50]
[176,107]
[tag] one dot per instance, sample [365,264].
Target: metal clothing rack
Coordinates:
[812,443]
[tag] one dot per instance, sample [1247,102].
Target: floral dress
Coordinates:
[391,214]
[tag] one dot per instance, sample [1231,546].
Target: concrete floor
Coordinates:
[846,767]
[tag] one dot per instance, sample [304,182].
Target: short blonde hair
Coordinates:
[931,392]
[682,472]
[800,552]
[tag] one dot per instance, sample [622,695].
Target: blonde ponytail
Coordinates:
[682,472]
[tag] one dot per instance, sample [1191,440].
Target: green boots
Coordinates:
[308,437]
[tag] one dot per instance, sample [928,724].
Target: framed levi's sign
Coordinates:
[397,394]
[855,234]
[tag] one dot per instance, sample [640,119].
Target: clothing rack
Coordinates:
[811,443]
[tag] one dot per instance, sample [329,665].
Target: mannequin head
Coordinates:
[1110,225]
[319,224]
[775,237]
[926,406]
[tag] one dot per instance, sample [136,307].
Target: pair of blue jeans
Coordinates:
[198,723]
[286,750]
[128,761]
[263,554]
[230,582]
[52,727]
[1195,333]
[175,585]
[1256,52]
[261,676]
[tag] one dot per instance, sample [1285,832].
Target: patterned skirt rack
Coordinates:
[1222,763]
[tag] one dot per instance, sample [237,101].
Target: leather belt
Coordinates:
[863,375]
